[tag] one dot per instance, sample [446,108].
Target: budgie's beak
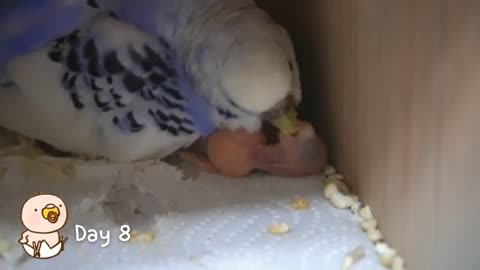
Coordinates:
[283,116]
[287,123]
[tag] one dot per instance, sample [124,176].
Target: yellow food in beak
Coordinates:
[287,123]
[51,213]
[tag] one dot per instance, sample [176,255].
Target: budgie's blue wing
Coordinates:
[118,86]
[29,24]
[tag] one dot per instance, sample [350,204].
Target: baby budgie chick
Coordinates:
[238,153]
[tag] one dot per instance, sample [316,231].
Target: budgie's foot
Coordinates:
[295,155]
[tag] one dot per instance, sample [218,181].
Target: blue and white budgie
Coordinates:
[143,79]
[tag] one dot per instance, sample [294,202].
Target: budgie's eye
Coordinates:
[35,209]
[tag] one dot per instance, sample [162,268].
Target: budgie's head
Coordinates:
[260,76]
[246,67]
[261,80]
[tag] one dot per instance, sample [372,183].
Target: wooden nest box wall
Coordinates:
[394,86]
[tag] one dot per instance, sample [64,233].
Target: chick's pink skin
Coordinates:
[301,154]
[232,152]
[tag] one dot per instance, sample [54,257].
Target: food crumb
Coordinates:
[374,235]
[300,204]
[398,263]
[330,189]
[341,201]
[386,253]
[353,257]
[279,229]
[369,224]
[340,185]
[143,237]
[365,212]
[337,192]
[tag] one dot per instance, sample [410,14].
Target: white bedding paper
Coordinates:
[211,222]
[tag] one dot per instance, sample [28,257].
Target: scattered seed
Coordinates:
[330,189]
[386,254]
[341,187]
[398,263]
[337,192]
[353,257]
[369,224]
[374,235]
[143,237]
[300,204]
[342,201]
[279,229]
[356,206]
[365,212]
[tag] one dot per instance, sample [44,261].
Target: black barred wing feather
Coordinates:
[113,68]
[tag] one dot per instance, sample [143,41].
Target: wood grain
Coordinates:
[394,86]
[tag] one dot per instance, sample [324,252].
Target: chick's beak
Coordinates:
[51,213]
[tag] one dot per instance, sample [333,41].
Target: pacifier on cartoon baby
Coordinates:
[43,216]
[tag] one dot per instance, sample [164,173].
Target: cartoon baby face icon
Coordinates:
[43,216]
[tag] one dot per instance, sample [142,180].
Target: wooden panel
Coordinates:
[395,88]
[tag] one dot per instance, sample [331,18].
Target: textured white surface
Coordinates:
[207,223]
